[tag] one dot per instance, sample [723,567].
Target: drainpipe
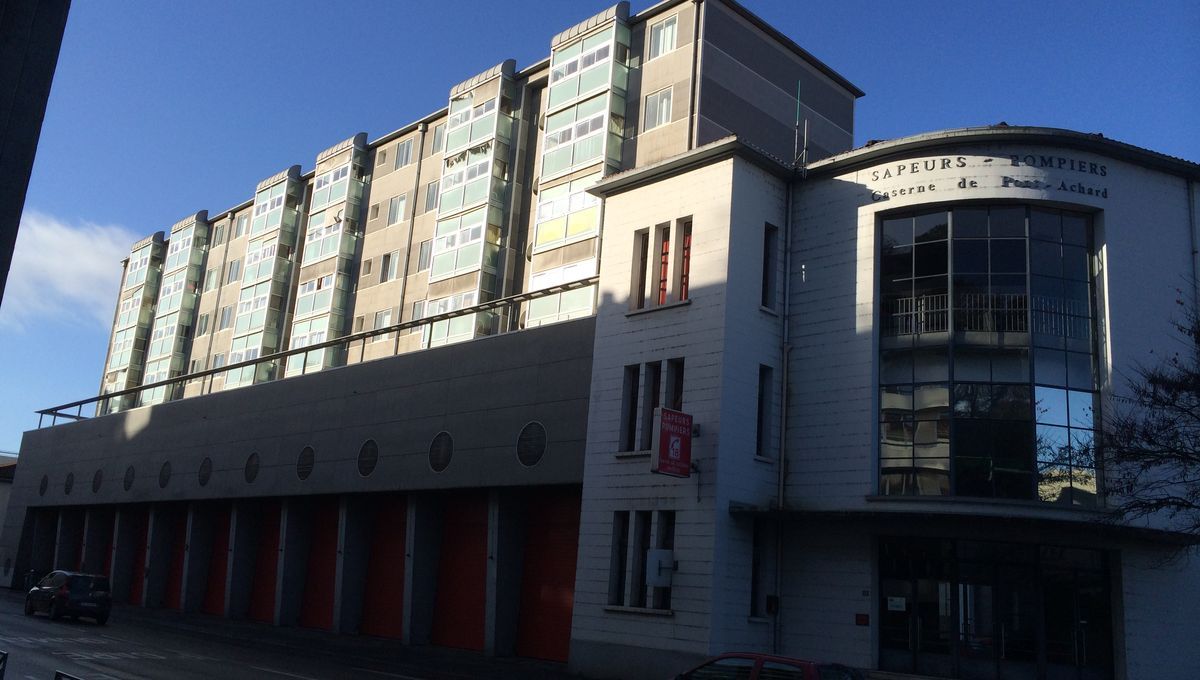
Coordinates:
[785,351]
[412,219]
[694,95]
[1195,229]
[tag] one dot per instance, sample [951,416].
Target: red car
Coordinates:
[751,666]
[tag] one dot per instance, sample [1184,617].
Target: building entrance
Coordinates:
[993,611]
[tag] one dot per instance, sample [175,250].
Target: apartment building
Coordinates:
[597,364]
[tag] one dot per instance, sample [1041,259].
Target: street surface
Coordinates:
[140,644]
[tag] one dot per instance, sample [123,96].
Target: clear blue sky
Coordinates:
[160,109]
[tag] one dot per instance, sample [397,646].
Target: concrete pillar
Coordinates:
[125,541]
[423,542]
[293,561]
[354,552]
[98,527]
[200,526]
[68,543]
[506,545]
[244,530]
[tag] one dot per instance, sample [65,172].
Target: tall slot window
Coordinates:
[685,260]
[629,408]
[388,266]
[674,398]
[431,195]
[664,263]
[664,539]
[641,545]
[641,262]
[770,266]
[651,388]
[618,557]
[762,439]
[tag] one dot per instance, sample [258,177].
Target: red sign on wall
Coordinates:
[672,454]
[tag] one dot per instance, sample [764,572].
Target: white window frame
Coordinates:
[663,48]
[659,122]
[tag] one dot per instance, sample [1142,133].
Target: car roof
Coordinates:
[764,657]
[79,573]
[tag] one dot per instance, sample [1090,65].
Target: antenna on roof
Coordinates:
[800,153]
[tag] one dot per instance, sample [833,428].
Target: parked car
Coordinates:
[751,666]
[67,593]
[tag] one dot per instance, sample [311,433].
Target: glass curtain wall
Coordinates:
[987,354]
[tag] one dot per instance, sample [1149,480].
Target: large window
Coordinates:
[582,67]
[458,244]
[987,357]
[565,213]
[574,136]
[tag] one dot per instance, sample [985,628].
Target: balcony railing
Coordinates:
[348,343]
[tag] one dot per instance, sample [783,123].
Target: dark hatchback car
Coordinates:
[67,593]
[751,666]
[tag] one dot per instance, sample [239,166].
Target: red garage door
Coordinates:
[548,575]
[141,535]
[316,611]
[214,590]
[177,524]
[266,559]
[462,573]
[383,596]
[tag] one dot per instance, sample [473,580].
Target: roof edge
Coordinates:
[1096,142]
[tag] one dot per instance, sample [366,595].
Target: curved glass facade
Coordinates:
[987,354]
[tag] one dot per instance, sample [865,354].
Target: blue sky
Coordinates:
[160,109]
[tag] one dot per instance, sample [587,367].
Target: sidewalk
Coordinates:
[381,654]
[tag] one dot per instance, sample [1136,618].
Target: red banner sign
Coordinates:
[672,453]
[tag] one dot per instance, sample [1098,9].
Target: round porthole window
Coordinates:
[205,472]
[44,485]
[441,450]
[129,478]
[164,475]
[251,468]
[305,462]
[69,483]
[97,480]
[531,443]
[368,457]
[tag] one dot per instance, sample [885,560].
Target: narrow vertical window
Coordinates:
[665,540]
[685,260]
[403,153]
[762,446]
[425,254]
[637,571]
[219,235]
[431,195]
[664,262]
[770,266]
[651,388]
[418,311]
[675,384]
[618,556]
[641,262]
[629,408]
[439,137]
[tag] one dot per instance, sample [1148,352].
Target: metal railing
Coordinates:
[346,342]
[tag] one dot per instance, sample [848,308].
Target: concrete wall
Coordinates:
[482,393]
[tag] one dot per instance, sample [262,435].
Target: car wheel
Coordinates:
[28,607]
[56,610]
[102,619]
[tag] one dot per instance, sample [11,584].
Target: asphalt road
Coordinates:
[144,645]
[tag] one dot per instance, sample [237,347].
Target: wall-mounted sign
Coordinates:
[672,452]
[897,604]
